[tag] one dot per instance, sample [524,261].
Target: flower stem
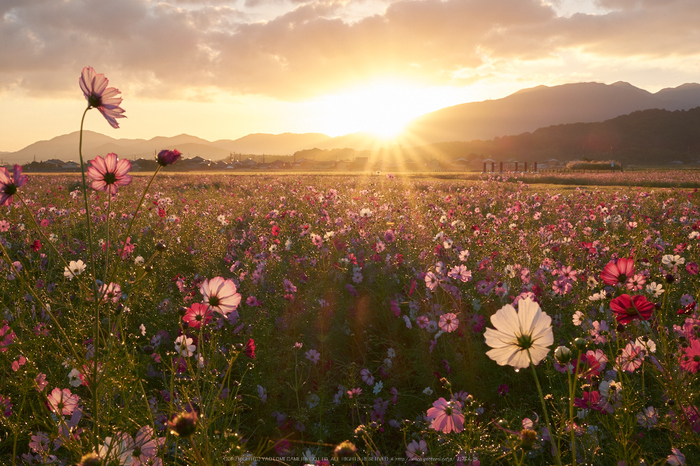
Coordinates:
[544,408]
[94,385]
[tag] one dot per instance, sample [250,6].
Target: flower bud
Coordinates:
[562,354]
[167,157]
[345,452]
[91,459]
[670,278]
[580,343]
[148,268]
[445,383]
[148,349]
[183,424]
[528,437]
[160,246]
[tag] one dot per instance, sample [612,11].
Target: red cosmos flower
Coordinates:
[249,349]
[618,273]
[8,186]
[627,308]
[197,315]
[101,97]
[107,174]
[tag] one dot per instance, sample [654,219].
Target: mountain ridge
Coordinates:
[523,111]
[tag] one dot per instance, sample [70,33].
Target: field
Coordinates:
[316,319]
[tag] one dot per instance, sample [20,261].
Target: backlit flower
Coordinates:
[618,272]
[446,416]
[220,294]
[627,308]
[108,173]
[101,97]
[62,402]
[9,185]
[517,334]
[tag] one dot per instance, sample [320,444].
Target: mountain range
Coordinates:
[521,112]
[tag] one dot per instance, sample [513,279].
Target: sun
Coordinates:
[381,108]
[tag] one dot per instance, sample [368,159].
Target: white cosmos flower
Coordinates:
[518,332]
[74,269]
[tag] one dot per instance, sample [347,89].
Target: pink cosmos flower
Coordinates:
[631,357]
[627,308]
[676,458]
[146,446]
[690,359]
[101,97]
[448,322]
[618,273]
[446,416]
[108,173]
[63,402]
[9,186]
[416,449]
[111,292]
[313,355]
[220,294]
[197,315]
[184,346]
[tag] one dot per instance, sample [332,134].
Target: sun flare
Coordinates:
[381,108]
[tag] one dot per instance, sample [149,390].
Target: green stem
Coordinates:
[544,408]
[133,219]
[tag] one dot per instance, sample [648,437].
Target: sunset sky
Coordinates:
[221,69]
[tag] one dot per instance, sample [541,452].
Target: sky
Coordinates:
[222,69]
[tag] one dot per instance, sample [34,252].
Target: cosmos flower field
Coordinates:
[314,319]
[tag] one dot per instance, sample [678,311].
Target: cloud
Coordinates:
[179,48]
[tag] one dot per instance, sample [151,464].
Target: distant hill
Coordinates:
[645,137]
[544,106]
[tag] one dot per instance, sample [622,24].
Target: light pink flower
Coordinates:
[446,416]
[62,402]
[108,173]
[220,294]
[101,97]
[9,185]
[448,322]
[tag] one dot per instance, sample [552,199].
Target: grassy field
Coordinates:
[279,315]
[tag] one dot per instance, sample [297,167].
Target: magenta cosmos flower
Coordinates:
[167,157]
[9,185]
[220,295]
[446,416]
[627,308]
[101,97]
[108,173]
[618,272]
